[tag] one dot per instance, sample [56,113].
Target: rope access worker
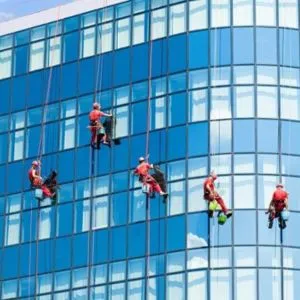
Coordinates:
[98,134]
[210,194]
[36,180]
[278,203]
[142,170]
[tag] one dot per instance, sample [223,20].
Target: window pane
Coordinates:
[288,8]
[221,285]
[266,12]
[243,46]
[243,101]
[242,12]
[158,113]
[220,103]
[5,64]
[220,13]
[105,39]
[197,285]
[176,198]
[16,145]
[198,79]
[240,227]
[267,136]
[243,74]
[290,103]
[177,16]
[88,39]
[244,128]
[100,212]
[122,33]
[175,287]
[267,97]
[67,134]
[220,133]
[53,51]
[266,46]
[159,24]
[270,284]
[12,231]
[244,185]
[244,163]
[198,105]
[198,14]
[245,256]
[291,284]
[267,75]
[37,55]
[245,284]
[140,29]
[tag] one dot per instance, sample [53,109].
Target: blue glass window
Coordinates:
[136,240]
[177,59]
[71,46]
[196,132]
[177,109]
[198,49]
[289,45]
[175,233]
[243,48]
[118,243]
[266,46]
[244,128]
[220,47]
[71,24]
[267,136]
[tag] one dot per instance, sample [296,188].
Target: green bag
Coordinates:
[213,205]
[222,219]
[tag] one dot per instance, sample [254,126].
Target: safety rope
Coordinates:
[44,114]
[148,202]
[45,107]
[93,156]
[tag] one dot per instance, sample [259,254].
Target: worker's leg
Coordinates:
[221,202]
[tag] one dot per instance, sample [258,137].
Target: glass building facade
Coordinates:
[224,83]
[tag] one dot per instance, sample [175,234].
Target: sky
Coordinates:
[10,9]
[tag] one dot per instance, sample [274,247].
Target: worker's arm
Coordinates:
[106,115]
[34,174]
[286,201]
[271,205]
[207,187]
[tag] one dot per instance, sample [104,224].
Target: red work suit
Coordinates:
[36,182]
[95,123]
[143,171]
[278,203]
[207,195]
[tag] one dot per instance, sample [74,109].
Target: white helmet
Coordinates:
[141,159]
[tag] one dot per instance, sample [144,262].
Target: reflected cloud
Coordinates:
[5,16]
[195,241]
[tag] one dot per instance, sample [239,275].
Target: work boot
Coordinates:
[270,224]
[228,214]
[164,194]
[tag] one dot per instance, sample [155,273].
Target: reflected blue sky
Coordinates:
[10,9]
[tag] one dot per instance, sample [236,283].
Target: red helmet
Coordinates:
[35,163]
[96,105]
